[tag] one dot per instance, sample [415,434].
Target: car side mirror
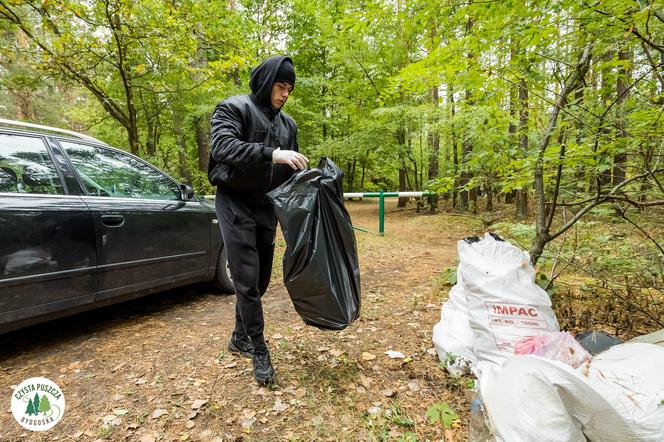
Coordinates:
[186,192]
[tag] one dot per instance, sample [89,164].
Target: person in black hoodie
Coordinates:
[253,150]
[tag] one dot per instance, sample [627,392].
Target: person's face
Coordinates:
[280,93]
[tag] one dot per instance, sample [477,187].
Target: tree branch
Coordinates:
[542,236]
[596,202]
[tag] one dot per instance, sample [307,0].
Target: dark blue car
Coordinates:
[83,225]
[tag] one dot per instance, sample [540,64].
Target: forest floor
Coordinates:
[157,368]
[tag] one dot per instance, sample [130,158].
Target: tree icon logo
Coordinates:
[38,404]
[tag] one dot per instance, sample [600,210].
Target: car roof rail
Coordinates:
[22,124]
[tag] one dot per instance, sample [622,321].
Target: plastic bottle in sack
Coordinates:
[479,429]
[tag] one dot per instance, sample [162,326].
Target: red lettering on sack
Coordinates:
[511,310]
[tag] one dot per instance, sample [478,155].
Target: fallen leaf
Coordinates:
[247,414]
[247,424]
[366,381]
[159,412]
[120,411]
[368,356]
[119,366]
[198,404]
[373,410]
[149,437]
[279,406]
[109,419]
[388,393]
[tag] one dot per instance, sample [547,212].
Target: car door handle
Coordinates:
[112,220]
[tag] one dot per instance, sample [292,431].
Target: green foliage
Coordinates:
[105,432]
[408,437]
[442,413]
[379,85]
[398,417]
[450,275]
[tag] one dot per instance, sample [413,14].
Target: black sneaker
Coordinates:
[241,345]
[263,370]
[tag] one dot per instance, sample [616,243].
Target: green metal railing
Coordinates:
[381,202]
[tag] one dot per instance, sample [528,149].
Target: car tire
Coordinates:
[222,282]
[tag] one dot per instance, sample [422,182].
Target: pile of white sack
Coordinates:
[551,389]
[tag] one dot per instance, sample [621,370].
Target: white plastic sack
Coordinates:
[504,303]
[453,333]
[614,398]
[531,399]
[630,377]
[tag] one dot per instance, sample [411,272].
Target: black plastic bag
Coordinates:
[321,269]
[596,342]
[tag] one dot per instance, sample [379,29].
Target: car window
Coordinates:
[26,166]
[106,172]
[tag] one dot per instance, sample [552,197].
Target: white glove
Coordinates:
[294,159]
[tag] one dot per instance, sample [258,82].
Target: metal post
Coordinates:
[381,214]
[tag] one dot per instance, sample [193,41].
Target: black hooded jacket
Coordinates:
[245,132]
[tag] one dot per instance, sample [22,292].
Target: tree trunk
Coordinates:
[364,168]
[401,140]
[543,235]
[466,196]
[185,173]
[522,194]
[511,129]
[624,78]
[434,152]
[454,147]
[603,177]
[203,143]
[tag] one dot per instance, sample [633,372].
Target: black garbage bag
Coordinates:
[596,342]
[321,269]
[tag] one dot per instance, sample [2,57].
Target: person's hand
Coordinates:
[294,159]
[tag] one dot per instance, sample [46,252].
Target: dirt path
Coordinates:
[122,366]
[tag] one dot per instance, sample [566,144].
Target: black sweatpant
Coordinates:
[248,233]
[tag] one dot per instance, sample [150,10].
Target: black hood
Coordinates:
[262,78]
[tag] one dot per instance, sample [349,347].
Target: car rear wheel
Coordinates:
[223,283]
